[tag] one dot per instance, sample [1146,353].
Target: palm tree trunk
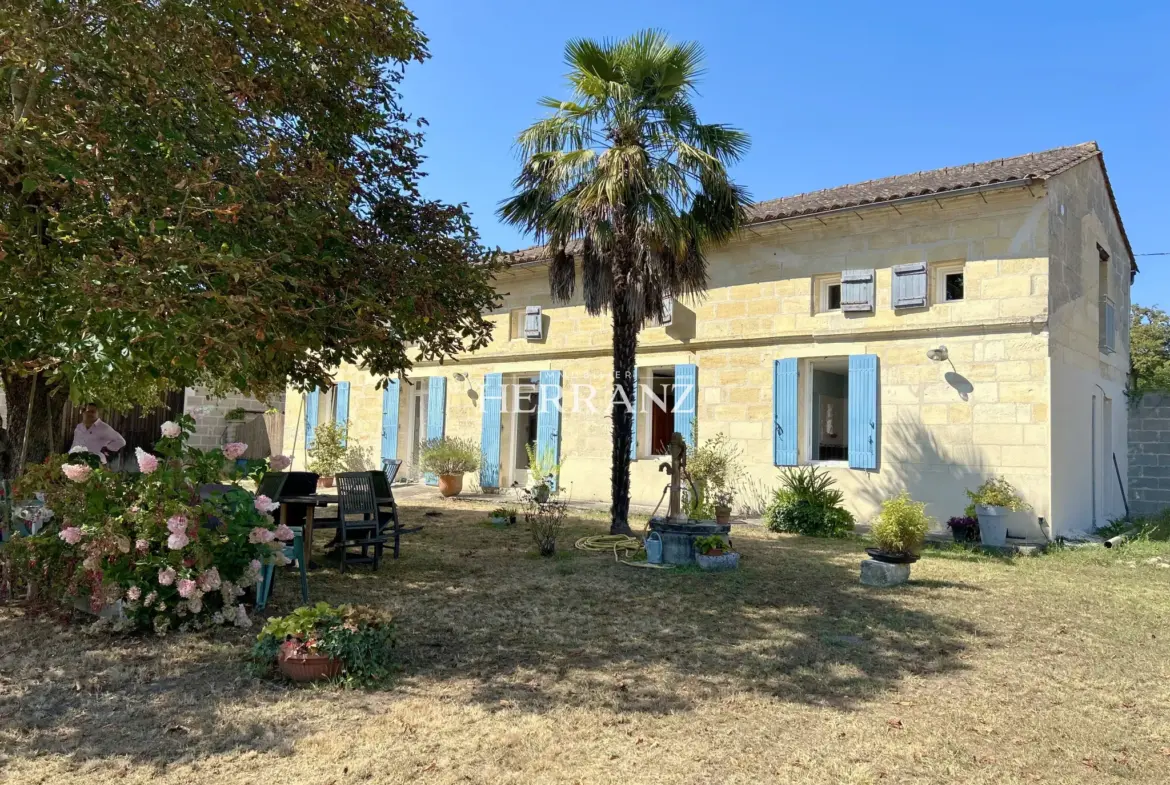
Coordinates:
[625,346]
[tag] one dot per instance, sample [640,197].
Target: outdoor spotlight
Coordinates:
[460,377]
[938,355]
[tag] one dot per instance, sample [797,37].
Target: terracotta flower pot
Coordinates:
[324,482]
[450,484]
[722,515]
[308,667]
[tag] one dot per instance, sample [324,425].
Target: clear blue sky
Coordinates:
[831,93]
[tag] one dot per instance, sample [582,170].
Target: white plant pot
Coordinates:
[997,524]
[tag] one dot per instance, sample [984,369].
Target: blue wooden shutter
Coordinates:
[548,418]
[784,399]
[686,390]
[341,410]
[909,285]
[390,397]
[863,411]
[436,412]
[312,404]
[489,439]
[857,290]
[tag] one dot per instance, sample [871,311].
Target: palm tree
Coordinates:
[625,177]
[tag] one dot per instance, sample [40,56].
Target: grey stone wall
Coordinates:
[210,425]
[1149,454]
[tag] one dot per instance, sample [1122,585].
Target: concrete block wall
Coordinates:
[210,426]
[1149,454]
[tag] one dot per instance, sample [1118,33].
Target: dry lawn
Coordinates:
[579,670]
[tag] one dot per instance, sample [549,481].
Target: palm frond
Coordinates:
[562,276]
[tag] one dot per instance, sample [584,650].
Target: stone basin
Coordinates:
[678,537]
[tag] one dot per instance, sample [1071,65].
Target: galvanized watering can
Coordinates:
[653,545]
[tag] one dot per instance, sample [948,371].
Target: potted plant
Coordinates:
[543,469]
[328,453]
[999,509]
[450,458]
[502,516]
[964,528]
[712,553]
[899,530]
[235,422]
[319,642]
[722,499]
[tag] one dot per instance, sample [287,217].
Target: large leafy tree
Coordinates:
[1149,350]
[217,192]
[625,178]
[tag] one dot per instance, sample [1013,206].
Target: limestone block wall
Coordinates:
[1149,454]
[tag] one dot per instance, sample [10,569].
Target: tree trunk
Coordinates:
[46,412]
[625,346]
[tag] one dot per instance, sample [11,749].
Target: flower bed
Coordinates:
[174,558]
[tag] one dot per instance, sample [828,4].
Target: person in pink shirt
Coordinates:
[95,435]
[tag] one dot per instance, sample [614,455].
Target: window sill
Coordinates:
[829,464]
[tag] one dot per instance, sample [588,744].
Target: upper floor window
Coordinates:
[828,294]
[949,283]
[516,324]
[1107,314]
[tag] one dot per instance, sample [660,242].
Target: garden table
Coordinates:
[311,501]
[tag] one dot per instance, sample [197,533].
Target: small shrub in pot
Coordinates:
[901,526]
[449,458]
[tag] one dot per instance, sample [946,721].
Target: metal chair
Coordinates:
[295,551]
[359,524]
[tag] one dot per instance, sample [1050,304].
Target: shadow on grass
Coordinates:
[487,623]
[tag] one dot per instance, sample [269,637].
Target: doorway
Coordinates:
[520,425]
[417,404]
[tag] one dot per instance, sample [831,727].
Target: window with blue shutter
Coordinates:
[533,324]
[390,396]
[857,290]
[436,412]
[548,420]
[341,410]
[634,430]
[784,412]
[686,391]
[863,411]
[312,405]
[909,285]
[493,401]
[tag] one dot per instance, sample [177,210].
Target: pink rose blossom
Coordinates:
[187,588]
[234,450]
[209,580]
[147,463]
[77,472]
[133,593]
[279,463]
[166,576]
[71,535]
[284,533]
[170,430]
[177,541]
[264,504]
[260,534]
[142,546]
[177,524]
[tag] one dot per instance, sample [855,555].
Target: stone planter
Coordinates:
[717,563]
[308,667]
[450,484]
[997,524]
[678,538]
[883,574]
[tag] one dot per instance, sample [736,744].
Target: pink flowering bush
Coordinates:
[175,559]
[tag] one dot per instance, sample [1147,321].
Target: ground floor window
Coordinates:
[828,409]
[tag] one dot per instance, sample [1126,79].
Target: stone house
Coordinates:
[924,331]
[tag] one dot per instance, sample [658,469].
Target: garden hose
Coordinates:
[617,543]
